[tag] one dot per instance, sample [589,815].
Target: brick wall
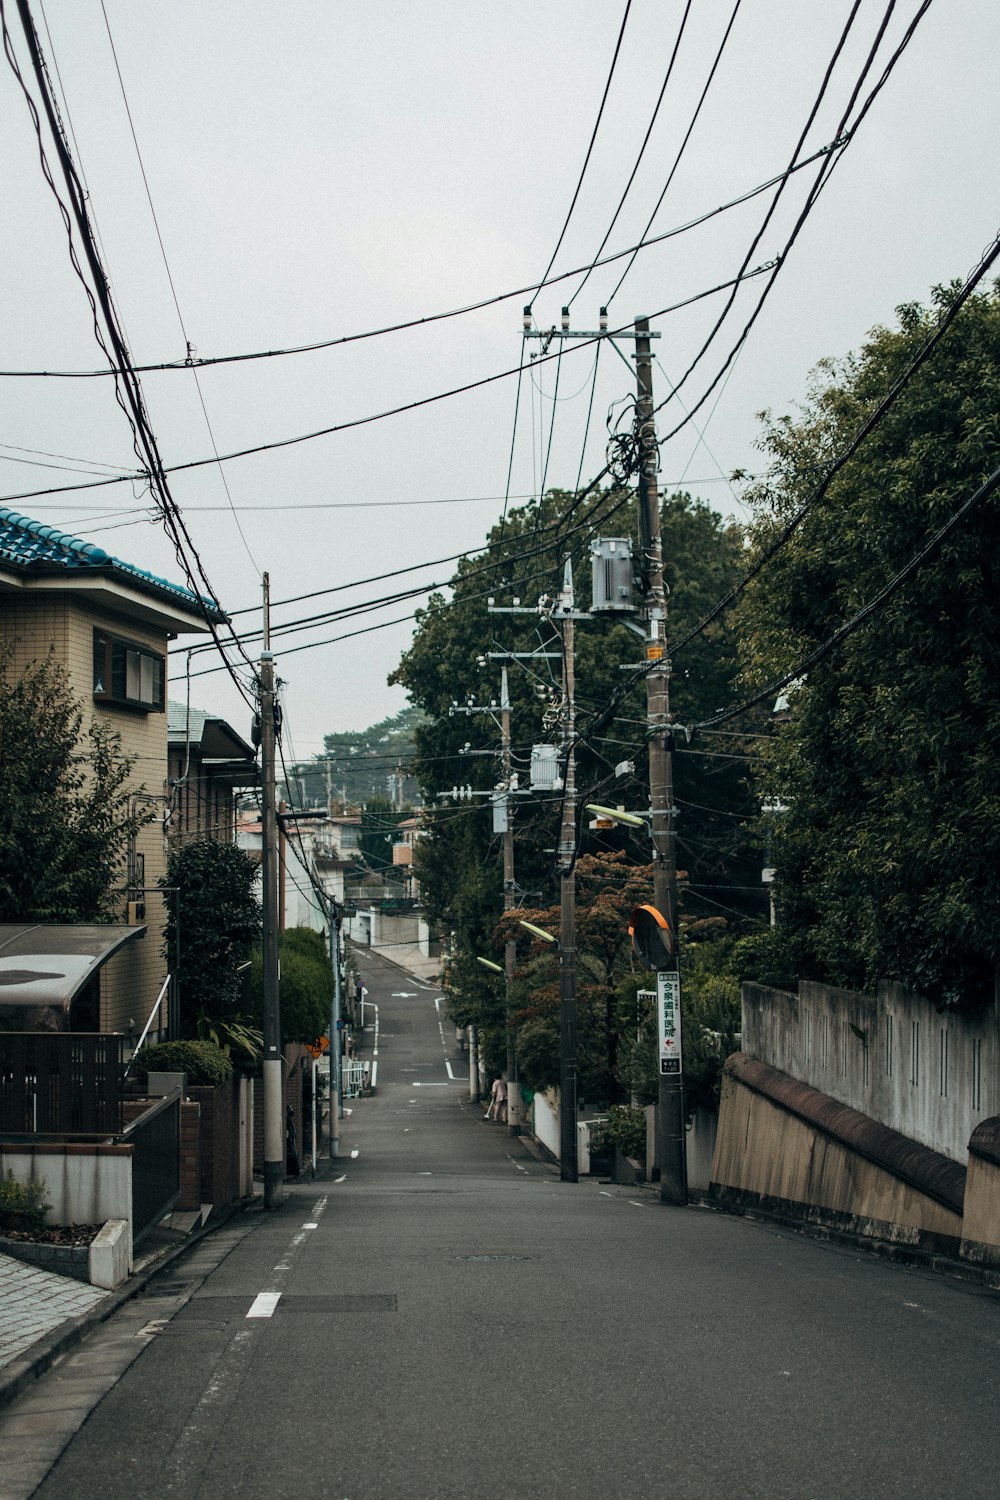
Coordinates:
[220,1141]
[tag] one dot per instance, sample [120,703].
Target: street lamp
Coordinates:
[619,815]
[488,963]
[538,932]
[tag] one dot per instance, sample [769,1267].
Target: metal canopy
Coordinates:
[49,963]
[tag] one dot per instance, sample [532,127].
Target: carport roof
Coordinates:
[49,963]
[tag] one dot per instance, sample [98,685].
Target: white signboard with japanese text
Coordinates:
[668,1011]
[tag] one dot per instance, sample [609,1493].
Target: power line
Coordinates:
[170,279]
[590,147]
[844,137]
[393,411]
[202,362]
[683,147]
[945,320]
[128,392]
[984,491]
[642,151]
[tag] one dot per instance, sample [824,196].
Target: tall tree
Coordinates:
[888,763]
[458,860]
[217,916]
[65,815]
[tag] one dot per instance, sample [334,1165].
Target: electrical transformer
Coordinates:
[612,578]
[545,768]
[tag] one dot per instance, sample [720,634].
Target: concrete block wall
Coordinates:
[220,1141]
[85,1183]
[850,1175]
[932,1075]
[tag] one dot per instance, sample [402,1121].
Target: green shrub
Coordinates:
[624,1128]
[24,1198]
[203,1062]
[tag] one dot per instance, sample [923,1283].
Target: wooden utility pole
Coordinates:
[670,1113]
[274,1175]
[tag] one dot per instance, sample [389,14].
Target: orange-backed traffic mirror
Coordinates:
[651,937]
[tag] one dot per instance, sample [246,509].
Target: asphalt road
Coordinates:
[442,1317]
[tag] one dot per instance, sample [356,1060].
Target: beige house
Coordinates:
[109,624]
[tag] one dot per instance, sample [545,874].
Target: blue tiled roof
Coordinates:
[27,544]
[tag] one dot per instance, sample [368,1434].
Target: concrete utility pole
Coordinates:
[568,1170]
[274,1154]
[670,1113]
[509,898]
[333,1048]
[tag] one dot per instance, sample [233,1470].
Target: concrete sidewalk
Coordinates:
[43,1314]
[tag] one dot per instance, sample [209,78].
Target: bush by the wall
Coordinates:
[203,1062]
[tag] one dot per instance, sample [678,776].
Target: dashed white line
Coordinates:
[263,1304]
[635,1204]
[355,1154]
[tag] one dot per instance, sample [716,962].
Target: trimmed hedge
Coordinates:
[203,1062]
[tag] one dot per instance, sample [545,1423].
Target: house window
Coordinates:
[128,674]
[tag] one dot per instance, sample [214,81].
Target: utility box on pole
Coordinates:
[612,576]
[545,768]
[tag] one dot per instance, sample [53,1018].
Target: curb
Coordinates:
[985,1277]
[42,1355]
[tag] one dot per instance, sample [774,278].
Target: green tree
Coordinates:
[306,987]
[888,761]
[220,920]
[457,860]
[65,815]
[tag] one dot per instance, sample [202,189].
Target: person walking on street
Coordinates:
[498,1101]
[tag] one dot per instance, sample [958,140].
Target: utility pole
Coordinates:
[502,798]
[670,1113]
[568,1169]
[509,897]
[333,1049]
[563,614]
[273,1123]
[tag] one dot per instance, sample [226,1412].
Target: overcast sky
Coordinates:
[322,168]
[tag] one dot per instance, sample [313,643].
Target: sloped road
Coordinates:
[442,1317]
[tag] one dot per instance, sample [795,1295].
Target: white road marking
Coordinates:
[425,1174]
[418,1085]
[606,1195]
[450,1073]
[341,1178]
[404,994]
[636,1205]
[310,1226]
[264,1304]
[355,1154]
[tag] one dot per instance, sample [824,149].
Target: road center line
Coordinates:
[263,1304]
